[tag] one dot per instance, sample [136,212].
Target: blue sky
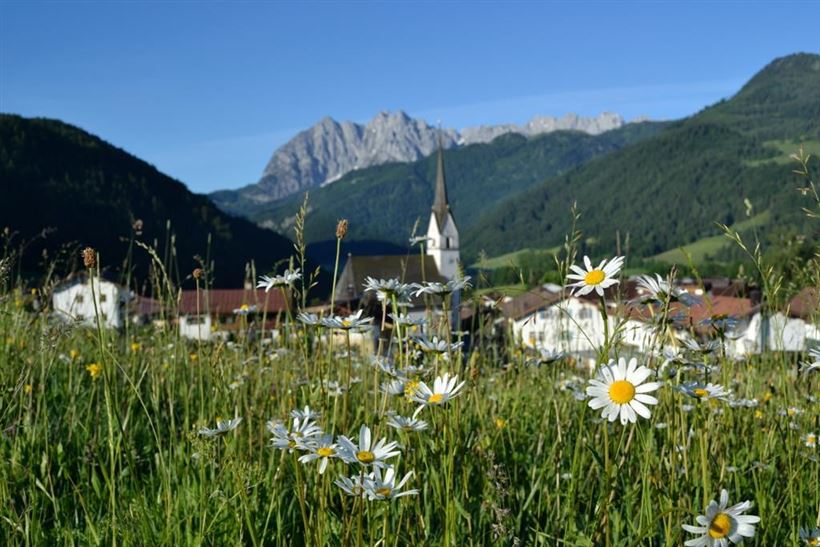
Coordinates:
[207,90]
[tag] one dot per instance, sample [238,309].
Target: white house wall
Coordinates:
[195,327]
[76,303]
[575,326]
[784,334]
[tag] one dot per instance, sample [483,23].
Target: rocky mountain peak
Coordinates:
[330,149]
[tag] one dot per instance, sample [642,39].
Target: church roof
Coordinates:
[405,268]
[440,204]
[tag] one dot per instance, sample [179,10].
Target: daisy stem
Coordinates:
[301,493]
[605,347]
[607,487]
[347,380]
[360,517]
[384,526]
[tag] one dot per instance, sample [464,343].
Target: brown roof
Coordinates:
[687,317]
[805,303]
[524,304]
[145,306]
[224,301]
[405,268]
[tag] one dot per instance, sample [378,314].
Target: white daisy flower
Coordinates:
[384,487]
[444,388]
[814,364]
[707,391]
[287,279]
[810,440]
[407,424]
[386,289]
[222,427]
[393,387]
[620,390]
[810,537]
[244,309]
[660,290]
[300,437]
[366,453]
[443,289]
[722,524]
[354,321]
[707,347]
[323,448]
[405,320]
[436,345]
[306,414]
[595,279]
[353,486]
[308,318]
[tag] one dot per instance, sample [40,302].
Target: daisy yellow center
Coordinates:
[814,542]
[621,392]
[346,322]
[811,439]
[435,398]
[594,277]
[365,456]
[720,526]
[383,491]
[325,451]
[700,392]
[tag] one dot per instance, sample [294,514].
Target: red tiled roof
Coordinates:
[805,303]
[224,301]
[730,306]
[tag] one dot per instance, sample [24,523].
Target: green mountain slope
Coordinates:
[54,175]
[669,190]
[383,202]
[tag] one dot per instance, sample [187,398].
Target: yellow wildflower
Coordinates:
[94,370]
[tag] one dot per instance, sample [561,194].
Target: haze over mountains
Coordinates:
[330,149]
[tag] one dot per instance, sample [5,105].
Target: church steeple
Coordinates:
[442,234]
[440,205]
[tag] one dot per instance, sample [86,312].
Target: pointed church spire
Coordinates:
[440,205]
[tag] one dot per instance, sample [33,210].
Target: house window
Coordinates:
[541,336]
[103,297]
[104,316]
[585,313]
[79,299]
[80,317]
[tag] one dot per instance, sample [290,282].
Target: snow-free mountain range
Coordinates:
[330,149]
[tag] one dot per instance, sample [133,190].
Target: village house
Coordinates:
[82,299]
[796,330]
[218,313]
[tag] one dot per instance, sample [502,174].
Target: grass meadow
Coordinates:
[133,437]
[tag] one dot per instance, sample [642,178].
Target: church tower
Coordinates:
[442,234]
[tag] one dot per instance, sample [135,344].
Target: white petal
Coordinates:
[646,399]
[640,408]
